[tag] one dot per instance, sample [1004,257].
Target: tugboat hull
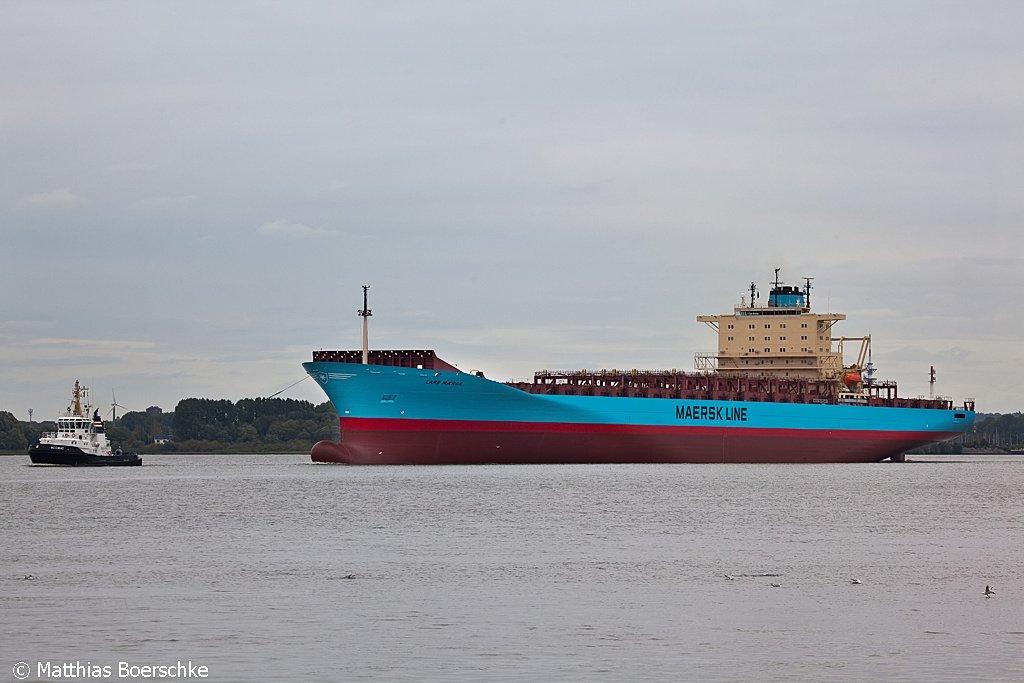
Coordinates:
[48,454]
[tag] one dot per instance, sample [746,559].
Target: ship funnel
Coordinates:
[783,296]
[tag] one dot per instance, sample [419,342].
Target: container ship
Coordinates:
[776,391]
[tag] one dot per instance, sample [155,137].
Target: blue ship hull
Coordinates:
[401,415]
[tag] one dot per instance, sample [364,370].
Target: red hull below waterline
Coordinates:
[452,442]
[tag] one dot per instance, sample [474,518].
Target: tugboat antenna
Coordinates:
[365,313]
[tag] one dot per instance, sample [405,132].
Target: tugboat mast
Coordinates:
[365,314]
[76,400]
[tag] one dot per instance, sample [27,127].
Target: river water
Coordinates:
[514,573]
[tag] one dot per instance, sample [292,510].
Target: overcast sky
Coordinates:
[193,192]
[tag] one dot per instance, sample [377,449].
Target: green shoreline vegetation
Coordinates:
[201,425]
[284,425]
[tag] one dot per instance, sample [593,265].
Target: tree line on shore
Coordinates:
[267,425]
[202,425]
[992,433]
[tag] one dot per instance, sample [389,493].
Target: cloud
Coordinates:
[59,197]
[573,182]
[289,229]
[97,345]
[165,201]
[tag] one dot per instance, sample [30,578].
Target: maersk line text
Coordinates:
[716,413]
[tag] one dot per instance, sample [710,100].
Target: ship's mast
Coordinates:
[76,400]
[365,314]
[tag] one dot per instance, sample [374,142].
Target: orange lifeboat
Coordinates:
[851,378]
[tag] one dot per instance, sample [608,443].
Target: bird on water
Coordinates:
[988,592]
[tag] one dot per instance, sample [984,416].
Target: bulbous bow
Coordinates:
[330,451]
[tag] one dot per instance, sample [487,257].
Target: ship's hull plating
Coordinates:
[421,442]
[71,456]
[409,416]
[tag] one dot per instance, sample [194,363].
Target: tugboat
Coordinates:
[79,440]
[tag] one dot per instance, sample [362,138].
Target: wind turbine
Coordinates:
[114,405]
